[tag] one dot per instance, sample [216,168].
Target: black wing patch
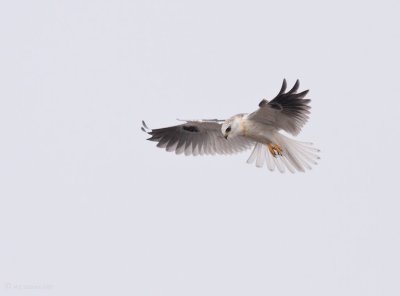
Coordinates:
[276,106]
[263,103]
[191,128]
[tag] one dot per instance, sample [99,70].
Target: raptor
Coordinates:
[260,130]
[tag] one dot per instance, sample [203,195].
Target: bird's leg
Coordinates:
[275,149]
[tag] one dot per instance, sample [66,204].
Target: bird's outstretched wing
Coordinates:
[288,111]
[197,137]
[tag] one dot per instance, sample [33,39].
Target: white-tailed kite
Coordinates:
[260,129]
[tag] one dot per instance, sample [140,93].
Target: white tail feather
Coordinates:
[253,155]
[296,155]
[260,156]
[270,161]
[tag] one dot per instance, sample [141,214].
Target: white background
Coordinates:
[89,207]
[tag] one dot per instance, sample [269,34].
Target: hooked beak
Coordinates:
[226,136]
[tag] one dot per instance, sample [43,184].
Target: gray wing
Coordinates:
[288,111]
[197,138]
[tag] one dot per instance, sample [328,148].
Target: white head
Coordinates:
[232,127]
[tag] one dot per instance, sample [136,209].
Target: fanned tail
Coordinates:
[287,154]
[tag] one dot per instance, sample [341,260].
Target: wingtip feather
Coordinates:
[295,87]
[283,87]
[144,124]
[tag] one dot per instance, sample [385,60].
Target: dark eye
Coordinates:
[228,129]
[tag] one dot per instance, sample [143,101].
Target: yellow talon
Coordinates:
[275,150]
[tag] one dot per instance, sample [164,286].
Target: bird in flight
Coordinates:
[259,130]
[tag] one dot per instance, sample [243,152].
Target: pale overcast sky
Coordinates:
[89,207]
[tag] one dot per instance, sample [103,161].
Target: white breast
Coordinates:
[257,131]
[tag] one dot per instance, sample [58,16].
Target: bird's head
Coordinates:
[232,127]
